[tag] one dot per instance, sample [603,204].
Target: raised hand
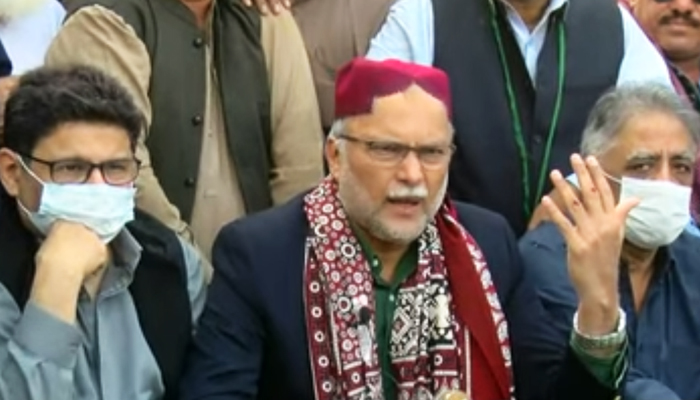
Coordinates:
[593,225]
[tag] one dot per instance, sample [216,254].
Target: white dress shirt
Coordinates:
[408,35]
[27,38]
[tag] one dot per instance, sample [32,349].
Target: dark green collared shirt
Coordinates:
[385,294]
[608,371]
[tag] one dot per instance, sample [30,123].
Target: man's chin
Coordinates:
[398,232]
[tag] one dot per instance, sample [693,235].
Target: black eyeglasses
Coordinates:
[114,172]
[392,153]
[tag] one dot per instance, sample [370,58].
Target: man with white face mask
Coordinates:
[97,301]
[375,285]
[645,138]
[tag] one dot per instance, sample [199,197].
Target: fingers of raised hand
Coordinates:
[590,195]
[601,182]
[572,203]
[562,222]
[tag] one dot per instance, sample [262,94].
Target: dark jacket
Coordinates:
[251,341]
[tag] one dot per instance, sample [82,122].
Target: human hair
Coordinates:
[339,128]
[615,108]
[48,97]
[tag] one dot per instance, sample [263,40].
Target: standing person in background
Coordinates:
[27,28]
[233,123]
[524,74]
[675,27]
[334,32]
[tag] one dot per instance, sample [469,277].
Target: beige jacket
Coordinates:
[97,36]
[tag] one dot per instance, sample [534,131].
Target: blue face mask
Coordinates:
[103,208]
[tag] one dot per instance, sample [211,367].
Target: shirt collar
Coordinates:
[685,247]
[126,250]
[553,5]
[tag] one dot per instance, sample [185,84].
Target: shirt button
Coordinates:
[189,182]
[391,298]
[375,263]
[198,42]
[197,120]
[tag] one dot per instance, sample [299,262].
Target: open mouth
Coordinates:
[406,201]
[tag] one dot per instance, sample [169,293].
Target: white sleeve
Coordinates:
[642,61]
[407,34]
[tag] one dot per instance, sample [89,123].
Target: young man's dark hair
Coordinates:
[49,97]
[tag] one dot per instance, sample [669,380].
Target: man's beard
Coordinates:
[13,9]
[358,206]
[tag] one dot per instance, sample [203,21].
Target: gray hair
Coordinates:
[338,129]
[614,109]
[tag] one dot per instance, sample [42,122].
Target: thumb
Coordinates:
[624,207]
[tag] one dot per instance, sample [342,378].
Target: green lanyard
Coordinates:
[529,201]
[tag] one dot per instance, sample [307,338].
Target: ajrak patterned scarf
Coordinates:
[448,333]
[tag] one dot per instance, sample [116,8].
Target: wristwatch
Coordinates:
[611,341]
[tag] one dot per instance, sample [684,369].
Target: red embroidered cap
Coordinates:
[361,81]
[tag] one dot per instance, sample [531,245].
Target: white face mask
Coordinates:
[662,214]
[103,208]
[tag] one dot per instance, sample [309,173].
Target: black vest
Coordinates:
[159,288]
[177,93]
[5,62]
[486,168]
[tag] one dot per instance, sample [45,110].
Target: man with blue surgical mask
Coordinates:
[645,140]
[97,300]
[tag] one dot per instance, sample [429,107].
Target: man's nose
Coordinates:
[684,6]
[96,176]
[411,170]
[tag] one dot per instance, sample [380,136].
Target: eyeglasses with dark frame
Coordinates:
[75,171]
[392,153]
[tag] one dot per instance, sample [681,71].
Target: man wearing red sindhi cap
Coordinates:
[375,285]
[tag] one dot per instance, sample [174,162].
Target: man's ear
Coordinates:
[332,150]
[10,171]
